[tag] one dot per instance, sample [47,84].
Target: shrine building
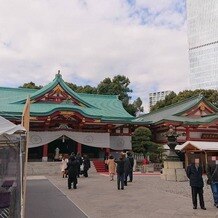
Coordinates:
[72,122]
[195,120]
[97,124]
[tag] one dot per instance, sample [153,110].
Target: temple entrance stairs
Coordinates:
[52,168]
[99,165]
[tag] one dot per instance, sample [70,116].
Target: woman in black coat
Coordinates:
[120,171]
[80,162]
[72,167]
[87,165]
[194,173]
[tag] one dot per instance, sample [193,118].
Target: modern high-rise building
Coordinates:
[202,18]
[154,97]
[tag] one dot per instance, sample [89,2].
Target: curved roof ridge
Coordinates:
[98,95]
[56,81]
[43,90]
[175,104]
[107,108]
[212,105]
[171,113]
[203,99]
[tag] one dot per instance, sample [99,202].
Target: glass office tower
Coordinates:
[202,18]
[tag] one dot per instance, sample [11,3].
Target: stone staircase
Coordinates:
[99,166]
[43,168]
[47,168]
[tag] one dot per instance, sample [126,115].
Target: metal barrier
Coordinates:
[4,213]
[138,157]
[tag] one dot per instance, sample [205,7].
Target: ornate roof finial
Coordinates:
[201,95]
[58,75]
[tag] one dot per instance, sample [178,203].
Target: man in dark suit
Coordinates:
[127,167]
[131,160]
[194,173]
[72,167]
[79,163]
[87,165]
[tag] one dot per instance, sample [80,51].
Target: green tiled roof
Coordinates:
[173,113]
[104,107]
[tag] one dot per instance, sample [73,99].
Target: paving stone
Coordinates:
[147,196]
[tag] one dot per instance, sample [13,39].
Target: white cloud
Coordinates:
[91,40]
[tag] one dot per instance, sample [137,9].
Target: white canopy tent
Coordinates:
[12,139]
[9,128]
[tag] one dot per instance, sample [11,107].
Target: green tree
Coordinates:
[162,103]
[210,94]
[89,89]
[82,89]
[134,108]
[119,85]
[141,143]
[30,85]
[73,86]
[138,105]
[155,152]
[141,140]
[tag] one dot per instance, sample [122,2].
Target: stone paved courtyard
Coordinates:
[148,196]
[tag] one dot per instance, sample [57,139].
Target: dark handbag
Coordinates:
[208,182]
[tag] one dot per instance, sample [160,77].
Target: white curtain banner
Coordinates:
[100,140]
[120,142]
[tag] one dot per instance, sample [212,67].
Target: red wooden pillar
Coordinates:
[187,131]
[45,153]
[79,148]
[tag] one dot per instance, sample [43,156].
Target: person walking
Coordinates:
[120,171]
[72,167]
[194,173]
[105,161]
[131,160]
[64,162]
[79,163]
[111,167]
[87,165]
[127,167]
[212,174]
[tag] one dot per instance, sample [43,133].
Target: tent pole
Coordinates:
[21,177]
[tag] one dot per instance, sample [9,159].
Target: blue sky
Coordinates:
[89,40]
